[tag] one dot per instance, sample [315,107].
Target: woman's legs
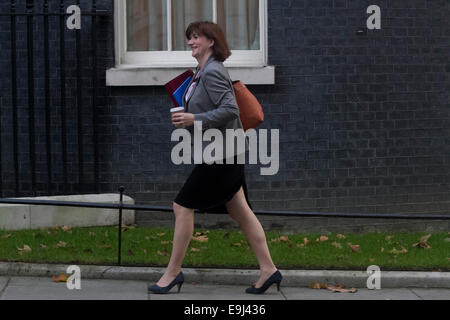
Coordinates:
[249,223]
[184,228]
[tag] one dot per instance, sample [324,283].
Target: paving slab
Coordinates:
[432,293]
[3,284]
[361,294]
[216,292]
[31,288]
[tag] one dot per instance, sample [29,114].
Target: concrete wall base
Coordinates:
[20,217]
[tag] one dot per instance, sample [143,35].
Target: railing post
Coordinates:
[121,190]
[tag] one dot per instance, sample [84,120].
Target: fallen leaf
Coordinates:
[340,236]
[388,238]
[354,247]
[165,242]
[300,245]
[336,244]
[145,251]
[6,236]
[371,259]
[195,250]
[61,244]
[323,238]
[318,286]
[25,248]
[162,253]
[201,239]
[201,233]
[61,278]
[43,246]
[341,289]
[66,228]
[395,251]
[423,242]
[305,241]
[284,238]
[382,249]
[160,234]
[107,246]
[237,244]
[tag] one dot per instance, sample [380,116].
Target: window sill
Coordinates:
[146,76]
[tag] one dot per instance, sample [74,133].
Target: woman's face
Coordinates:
[200,45]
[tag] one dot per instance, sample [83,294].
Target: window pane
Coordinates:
[147,25]
[240,20]
[183,13]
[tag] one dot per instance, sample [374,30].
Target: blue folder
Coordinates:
[178,94]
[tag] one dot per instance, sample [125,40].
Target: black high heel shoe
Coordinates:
[179,279]
[275,278]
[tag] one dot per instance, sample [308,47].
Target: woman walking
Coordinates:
[217,187]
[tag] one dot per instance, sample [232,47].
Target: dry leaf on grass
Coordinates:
[322,239]
[201,233]
[162,253]
[340,236]
[423,242]
[43,246]
[195,250]
[60,244]
[60,278]
[354,247]
[6,236]
[160,234]
[201,239]
[336,244]
[395,251]
[25,248]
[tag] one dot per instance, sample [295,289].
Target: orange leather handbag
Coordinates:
[250,109]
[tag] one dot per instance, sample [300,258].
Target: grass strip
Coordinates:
[147,246]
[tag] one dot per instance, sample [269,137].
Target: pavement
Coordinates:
[21,281]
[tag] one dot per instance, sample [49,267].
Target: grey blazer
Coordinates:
[213,102]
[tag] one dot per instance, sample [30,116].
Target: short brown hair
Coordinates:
[212,31]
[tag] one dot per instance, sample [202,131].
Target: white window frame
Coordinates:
[147,68]
[158,59]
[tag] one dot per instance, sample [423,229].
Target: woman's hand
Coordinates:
[183,120]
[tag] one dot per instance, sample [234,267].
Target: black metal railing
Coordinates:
[121,206]
[24,179]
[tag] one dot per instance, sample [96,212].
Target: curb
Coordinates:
[291,278]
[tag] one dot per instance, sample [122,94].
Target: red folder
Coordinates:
[174,85]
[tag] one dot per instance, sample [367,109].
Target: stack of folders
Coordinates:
[176,87]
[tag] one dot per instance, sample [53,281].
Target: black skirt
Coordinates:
[210,187]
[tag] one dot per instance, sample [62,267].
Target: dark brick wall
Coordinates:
[364,120]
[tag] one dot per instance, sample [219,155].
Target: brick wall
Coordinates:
[364,120]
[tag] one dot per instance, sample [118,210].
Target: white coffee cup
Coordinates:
[177,110]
